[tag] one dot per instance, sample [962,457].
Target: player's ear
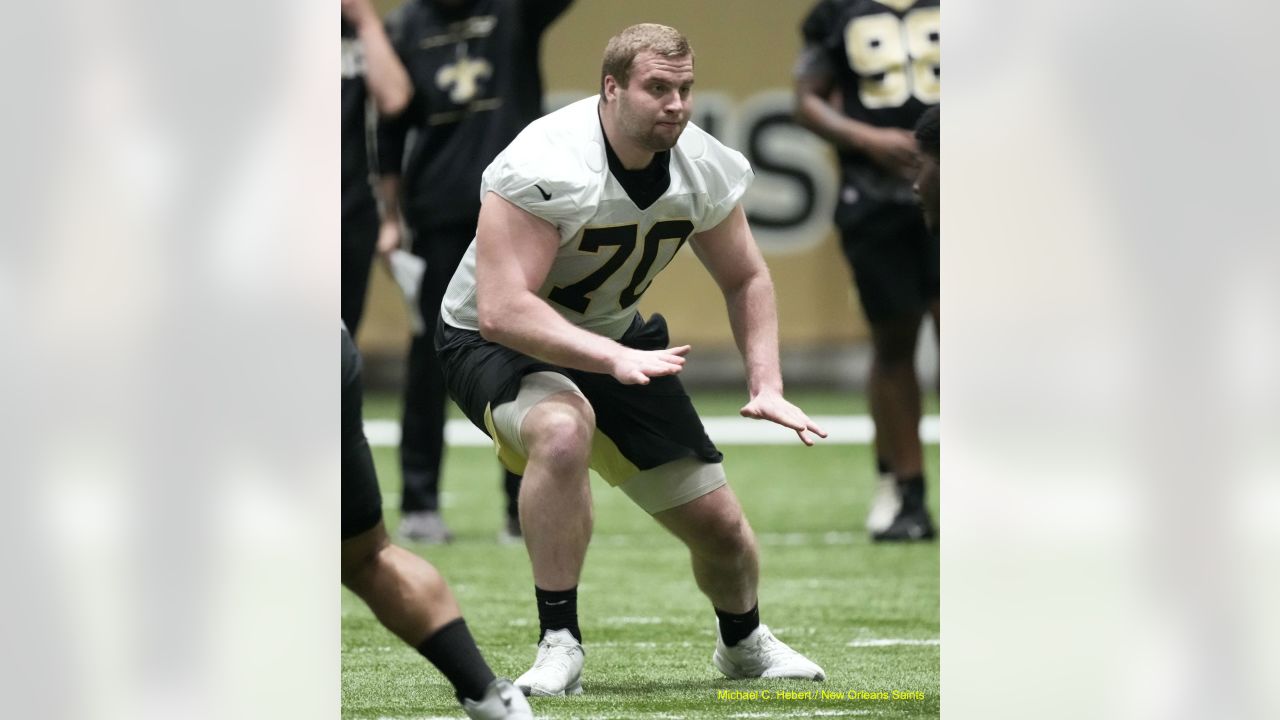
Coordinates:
[610,88]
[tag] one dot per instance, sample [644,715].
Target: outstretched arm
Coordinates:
[730,254]
[514,253]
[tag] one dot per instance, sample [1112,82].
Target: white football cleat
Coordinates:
[501,701]
[558,670]
[761,655]
[885,505]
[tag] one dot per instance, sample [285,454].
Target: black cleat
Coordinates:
[909,526]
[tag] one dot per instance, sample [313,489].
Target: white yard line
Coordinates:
[890,642]
[843,430]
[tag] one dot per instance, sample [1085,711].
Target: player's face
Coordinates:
[654,108]
[926,188]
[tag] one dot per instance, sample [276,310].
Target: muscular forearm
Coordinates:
[816,114]
[754,319]
[526,323]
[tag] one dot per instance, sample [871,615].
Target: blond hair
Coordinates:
[626,45]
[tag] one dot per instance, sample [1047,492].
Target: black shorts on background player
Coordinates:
[359,243]
[894,259]
[361,499]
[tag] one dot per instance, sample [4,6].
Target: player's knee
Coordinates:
[561,436]
[895,361]
[728,536]
[895,347]
[359,571]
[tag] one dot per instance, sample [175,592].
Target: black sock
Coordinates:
[882,466]
[453,651]
[912,491]
[733,628]
[558,610]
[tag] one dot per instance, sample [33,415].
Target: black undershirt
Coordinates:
[643,186]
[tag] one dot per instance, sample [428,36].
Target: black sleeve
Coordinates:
[538,14]
[817,25]
[388,152]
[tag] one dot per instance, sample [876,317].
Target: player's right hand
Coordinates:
[895,150]
[389,237]
[635,367]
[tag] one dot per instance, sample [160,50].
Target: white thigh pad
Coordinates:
[508,417]
[673,484]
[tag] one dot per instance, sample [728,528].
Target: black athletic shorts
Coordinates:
[361,499]
[651,425]
[893,255]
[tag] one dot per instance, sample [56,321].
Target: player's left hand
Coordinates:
[773,407]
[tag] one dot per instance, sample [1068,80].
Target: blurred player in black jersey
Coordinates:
[404,591]
[373,81]
[867,72]
[477,83]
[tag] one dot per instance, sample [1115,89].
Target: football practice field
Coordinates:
[868,614]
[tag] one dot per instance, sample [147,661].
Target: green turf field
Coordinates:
[648,632]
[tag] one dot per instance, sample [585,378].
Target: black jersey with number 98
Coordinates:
[885,56]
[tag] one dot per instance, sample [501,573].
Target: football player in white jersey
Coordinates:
[543,347]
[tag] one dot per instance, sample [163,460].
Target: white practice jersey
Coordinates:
[610,250]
